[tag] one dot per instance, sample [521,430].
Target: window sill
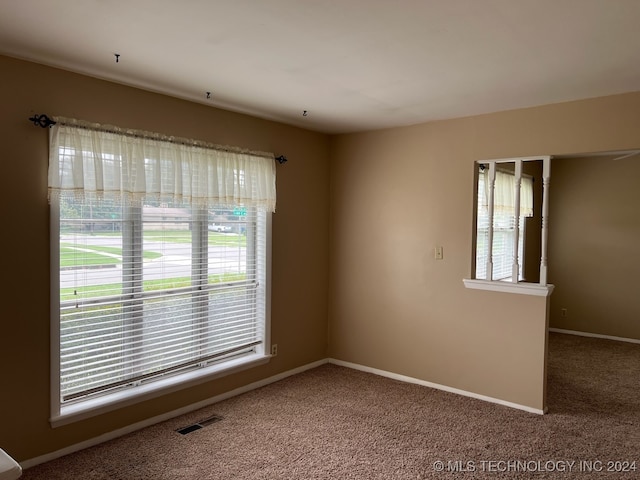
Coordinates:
[508,287]
[106,403]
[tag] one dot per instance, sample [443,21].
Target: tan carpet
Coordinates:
[338,423]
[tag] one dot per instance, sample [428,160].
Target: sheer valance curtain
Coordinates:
[504,194]
[89,160]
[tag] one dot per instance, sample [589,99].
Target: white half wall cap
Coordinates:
[9,468]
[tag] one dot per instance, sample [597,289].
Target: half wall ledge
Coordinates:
[522,288]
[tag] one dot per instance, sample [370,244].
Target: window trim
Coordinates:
[73,412]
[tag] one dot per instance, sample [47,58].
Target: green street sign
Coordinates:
[240,211]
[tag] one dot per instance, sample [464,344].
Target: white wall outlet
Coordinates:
[438,253]
[274,350]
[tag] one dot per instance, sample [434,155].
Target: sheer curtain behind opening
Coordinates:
[504,194]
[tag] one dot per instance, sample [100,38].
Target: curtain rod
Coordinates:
[45,121]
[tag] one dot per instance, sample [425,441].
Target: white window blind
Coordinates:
[161,271]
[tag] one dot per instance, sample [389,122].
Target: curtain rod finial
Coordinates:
[281,159]
[42,120]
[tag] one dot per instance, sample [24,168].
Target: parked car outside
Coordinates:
[215,227]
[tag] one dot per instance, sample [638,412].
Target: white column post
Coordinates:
[491,191]
[546,171]
[515,272]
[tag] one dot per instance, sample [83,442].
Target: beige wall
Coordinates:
[595,245]
[533,226]
[398,193]
[300,241]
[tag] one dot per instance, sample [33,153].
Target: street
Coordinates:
[175,262]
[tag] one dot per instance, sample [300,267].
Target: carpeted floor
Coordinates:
[337,423]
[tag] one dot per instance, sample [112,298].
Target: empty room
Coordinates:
[320,239]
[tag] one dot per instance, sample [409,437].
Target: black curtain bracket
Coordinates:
[42,120]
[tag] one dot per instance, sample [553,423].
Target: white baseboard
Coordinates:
[437,386]
[252,386]
[166,416]
[594,335]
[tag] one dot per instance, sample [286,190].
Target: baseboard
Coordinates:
[252,386]
[437,386]
[594,335]
[166,416]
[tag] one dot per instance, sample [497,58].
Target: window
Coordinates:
[511,221]
[504,220]
[158,285]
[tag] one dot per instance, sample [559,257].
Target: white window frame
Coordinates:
[62,414]
[92,161]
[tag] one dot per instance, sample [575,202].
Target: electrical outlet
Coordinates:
[563,312]
[438,253]
[274,350]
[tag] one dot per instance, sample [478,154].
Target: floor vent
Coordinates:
[200,424]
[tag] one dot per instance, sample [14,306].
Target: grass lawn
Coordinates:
[184,236]
[148,286]
[71,256]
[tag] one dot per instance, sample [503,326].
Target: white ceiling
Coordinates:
[352,64]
